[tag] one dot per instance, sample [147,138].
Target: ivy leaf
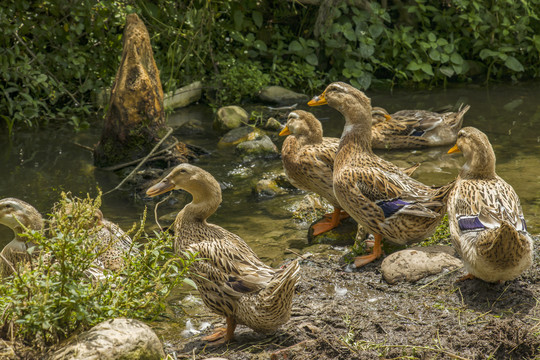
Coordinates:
[260,45]
[295,46]
[366,50]
[312,59]
[432,37]
[413,66]
[349,34]
[427,68]
[257,18]
[446,71]
[456,58]
[238,19]
[376,30]
[484,53]
[513,64]
[435,55]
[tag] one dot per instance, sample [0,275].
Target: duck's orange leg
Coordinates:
[376,253]
[223,335]
[329,222]
[467,277]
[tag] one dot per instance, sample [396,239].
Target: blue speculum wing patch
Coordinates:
[390,207]
[523,223]
[417,133]
[470,223]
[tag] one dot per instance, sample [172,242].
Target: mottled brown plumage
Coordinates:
[232,280]
[485,216]
[18,216]
[411,129]
[375,192]
[308,160]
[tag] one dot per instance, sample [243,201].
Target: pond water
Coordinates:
[38,165]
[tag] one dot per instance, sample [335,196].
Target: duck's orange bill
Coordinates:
[318,100]
[285,131]
[160,188]
[387,117]
[455,149]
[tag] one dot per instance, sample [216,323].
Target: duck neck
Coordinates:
[206,200]
[479,165]
[357,131]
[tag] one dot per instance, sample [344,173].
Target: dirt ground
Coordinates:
[356,315]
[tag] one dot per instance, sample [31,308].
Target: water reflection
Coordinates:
[38,165]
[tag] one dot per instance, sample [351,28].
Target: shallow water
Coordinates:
[38,165]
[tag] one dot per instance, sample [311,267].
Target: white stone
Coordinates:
[115,339]
[184,96]
[417,262]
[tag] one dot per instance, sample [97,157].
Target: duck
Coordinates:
[308,161]
[109,240]
[19,216]
[232,281]
[486,222]
[412,129]
[376,193]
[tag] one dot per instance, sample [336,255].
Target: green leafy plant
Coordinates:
[53,296]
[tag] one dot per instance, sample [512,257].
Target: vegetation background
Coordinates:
[57,56]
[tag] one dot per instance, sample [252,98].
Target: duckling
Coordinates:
[308,160]
[232,281]
[375,192]
[411,129]
[18,216]
[486,220]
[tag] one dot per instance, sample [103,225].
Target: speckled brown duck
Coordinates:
[18,216]
[232,280]
[375,192]
[308,160]
[484,213]
[412,129]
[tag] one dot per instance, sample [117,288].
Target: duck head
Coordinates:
[16,214]
[303,124]
[477,151]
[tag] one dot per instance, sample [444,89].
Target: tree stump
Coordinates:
[135,120]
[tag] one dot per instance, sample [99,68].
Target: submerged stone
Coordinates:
[184,96]
[230,117]
[255,148]
[239,135]
[279,94]
[415,263]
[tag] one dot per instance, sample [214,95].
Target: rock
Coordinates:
[310,208]
[272,124]
[268,187]
[344,234]
[230,117]
[239,135]
[184,96]
[255,148]
[415,263]
[279,94]
[116,339]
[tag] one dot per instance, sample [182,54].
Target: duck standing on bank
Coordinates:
[484,213]
[375,192]
[413,129]
[308,160]
[232,280]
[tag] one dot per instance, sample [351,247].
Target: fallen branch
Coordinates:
[126,164]
[141,163]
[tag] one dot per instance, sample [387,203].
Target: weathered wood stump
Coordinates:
[135,120]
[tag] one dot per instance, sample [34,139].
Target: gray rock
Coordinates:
[418,262]
[184,96]
[279,94]
[261,147]
[116,339]
[230,117]
[239,135]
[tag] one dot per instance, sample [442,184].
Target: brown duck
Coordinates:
[375,192]
[232,280]
[484,213]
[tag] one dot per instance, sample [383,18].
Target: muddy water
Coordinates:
[37,165]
